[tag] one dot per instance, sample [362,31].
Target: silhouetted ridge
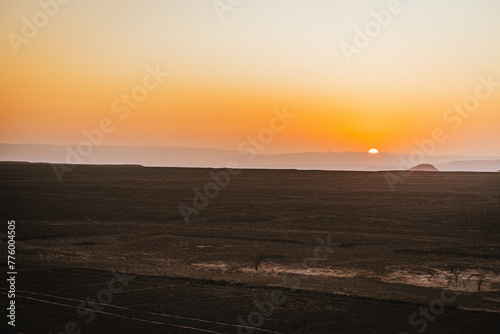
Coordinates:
[424,168]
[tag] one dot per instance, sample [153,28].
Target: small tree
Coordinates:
[456,272]
[259,259]
[480,281]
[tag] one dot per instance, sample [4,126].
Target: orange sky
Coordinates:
[226,76]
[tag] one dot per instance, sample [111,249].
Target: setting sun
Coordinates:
[373,151]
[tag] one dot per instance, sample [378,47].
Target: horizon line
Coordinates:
[259,153]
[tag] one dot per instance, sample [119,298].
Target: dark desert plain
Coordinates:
[297,251]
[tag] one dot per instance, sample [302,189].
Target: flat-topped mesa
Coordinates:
[424,168]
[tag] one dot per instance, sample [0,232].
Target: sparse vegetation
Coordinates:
[454,275]
[259,259]
[480,281]
[456,272]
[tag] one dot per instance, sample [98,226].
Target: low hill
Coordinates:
[424,168]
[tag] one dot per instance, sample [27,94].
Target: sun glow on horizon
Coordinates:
[373,151]
[62,77]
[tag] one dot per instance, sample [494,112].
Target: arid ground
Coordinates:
[273,251]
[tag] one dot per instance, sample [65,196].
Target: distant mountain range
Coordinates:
[208,157]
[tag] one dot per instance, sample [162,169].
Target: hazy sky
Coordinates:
[229,69]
